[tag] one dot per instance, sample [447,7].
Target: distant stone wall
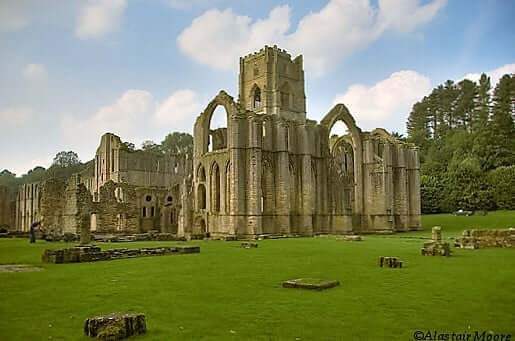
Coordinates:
[81,254]
[7,209]
[476,239]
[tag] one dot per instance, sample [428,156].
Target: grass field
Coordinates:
[230,293]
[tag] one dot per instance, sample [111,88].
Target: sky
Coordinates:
[74,70]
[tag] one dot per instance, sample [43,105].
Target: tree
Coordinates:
[502,127]
[482,110]
[178,143]
[66,159]
[151,147]
[128,146]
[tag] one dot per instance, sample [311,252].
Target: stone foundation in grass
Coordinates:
[79,254]
[390,262]
[475,239]
[436,247]
[248,245]
[351,238]
[310,283]
[116,326]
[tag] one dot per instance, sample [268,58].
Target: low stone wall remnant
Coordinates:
[79,254]
[390,262]
[116,326]
[476,239]
[436,247]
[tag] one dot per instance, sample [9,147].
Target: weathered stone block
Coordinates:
[310,283]
[436,249]
[116,326]
[390,262]
[352,238]
[188,249]
[249,245]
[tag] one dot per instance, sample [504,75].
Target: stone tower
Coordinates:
[270,82]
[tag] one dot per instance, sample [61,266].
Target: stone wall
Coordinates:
[113,161]
[81,254]
[475,239]
[7,208]
[27,206]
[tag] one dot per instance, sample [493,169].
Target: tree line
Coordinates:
[465,132]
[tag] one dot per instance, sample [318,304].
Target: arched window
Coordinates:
[228,188]
[215,188]
[201,173]
[201,197]
[218,129]
[256,98]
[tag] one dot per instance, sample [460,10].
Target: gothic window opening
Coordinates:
[215,188]
[201,197]
[228,188]
[217,133]
[144,212]
[201,174]
[256,98]
[152,211]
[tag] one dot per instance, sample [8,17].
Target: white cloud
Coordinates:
[218,38]
[394,95]
[99,17]
[14,117]
[135,116]
[123,117]
[494,74]
[405,15]
[34,71]
[181,106]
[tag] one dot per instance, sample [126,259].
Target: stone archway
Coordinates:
[340,113]
[204,120]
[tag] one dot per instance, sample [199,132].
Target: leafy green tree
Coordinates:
[177,143]
[66,159]
[502,186]
[151,147]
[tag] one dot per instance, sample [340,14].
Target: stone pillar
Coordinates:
[282,180]
[254,193]
[238,168]
[85,233]
[436,234]
[307,194]
[388,183]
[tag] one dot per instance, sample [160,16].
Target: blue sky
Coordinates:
[73,70]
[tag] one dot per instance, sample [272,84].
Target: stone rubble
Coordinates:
[390,262]
[79,254]
[310,283]
[436,247]
[116,326]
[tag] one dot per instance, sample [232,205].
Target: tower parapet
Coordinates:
[271,82]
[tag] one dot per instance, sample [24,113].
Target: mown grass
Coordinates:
[230,293]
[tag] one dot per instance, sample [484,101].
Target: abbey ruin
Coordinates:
[271,171]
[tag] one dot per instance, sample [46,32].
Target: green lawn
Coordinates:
[230,293]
